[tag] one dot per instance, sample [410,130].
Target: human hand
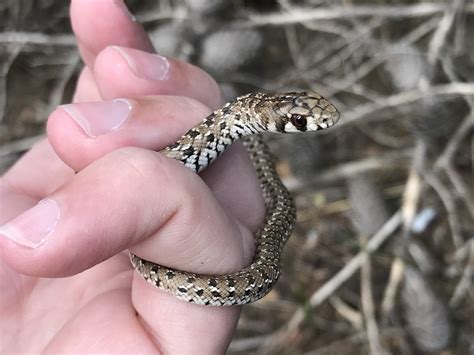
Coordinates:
[124,196]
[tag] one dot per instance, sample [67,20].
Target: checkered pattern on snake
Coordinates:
[244,118]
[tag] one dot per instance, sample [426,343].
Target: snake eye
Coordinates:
[298,121]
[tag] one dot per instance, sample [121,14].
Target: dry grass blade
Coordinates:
[344,12]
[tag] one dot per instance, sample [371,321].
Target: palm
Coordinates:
[62,306]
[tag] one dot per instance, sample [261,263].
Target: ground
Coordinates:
[382,256]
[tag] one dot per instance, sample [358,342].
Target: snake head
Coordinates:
[301,112]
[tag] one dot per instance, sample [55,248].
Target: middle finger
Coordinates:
[153,122]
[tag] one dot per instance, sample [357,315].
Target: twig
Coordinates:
[246,344]
[294,48]
[364,69]
[340,346]
[413,188]
[463,191]
[347,312]
[403,98]
[368,309]
[320,26]
[464,286]
[334,55]
[341,12]
[461,132]
[37,38]
[390,294]
[449,205]
[439,37]
[57,92]
[178,14]
[420,31]
[3,77]
[446,158]
[329,60]
[19,145]
[393,160]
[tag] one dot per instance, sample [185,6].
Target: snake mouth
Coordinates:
[324,122]
[335,116]
[328,119]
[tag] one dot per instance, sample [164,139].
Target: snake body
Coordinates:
[244,118]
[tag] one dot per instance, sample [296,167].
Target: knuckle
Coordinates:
[137,164]
[193,106]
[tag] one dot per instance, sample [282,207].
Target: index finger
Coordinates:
[97,24]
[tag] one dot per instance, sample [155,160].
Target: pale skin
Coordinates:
[67,283]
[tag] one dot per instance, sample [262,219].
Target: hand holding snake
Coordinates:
[77,285]
[245,117]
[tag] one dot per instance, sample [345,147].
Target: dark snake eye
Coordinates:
[298,121]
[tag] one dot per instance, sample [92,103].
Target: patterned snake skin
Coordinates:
[244,118]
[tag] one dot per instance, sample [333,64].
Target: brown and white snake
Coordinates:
[244,118]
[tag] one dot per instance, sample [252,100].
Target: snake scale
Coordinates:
[244,118]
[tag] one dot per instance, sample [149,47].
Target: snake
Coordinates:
[244,119]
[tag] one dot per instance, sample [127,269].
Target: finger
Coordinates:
[35,168]
[119,201]
[80,136]
[84,333]
[137,73]
[117,27]
[163,325]
[95,129]
[38,173]
[98,24]
[161,198]
[86,89]
[180,327]
[225,176]
[40,170]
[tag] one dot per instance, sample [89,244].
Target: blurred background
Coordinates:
[382,258]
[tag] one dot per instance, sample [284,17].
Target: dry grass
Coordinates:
[382,257]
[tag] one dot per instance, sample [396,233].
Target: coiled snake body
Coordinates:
[244,118]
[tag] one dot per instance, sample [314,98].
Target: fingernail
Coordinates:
[145,65]
[97,118]
[125,10]
[32,227]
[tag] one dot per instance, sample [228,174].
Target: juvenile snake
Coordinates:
[245,118]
